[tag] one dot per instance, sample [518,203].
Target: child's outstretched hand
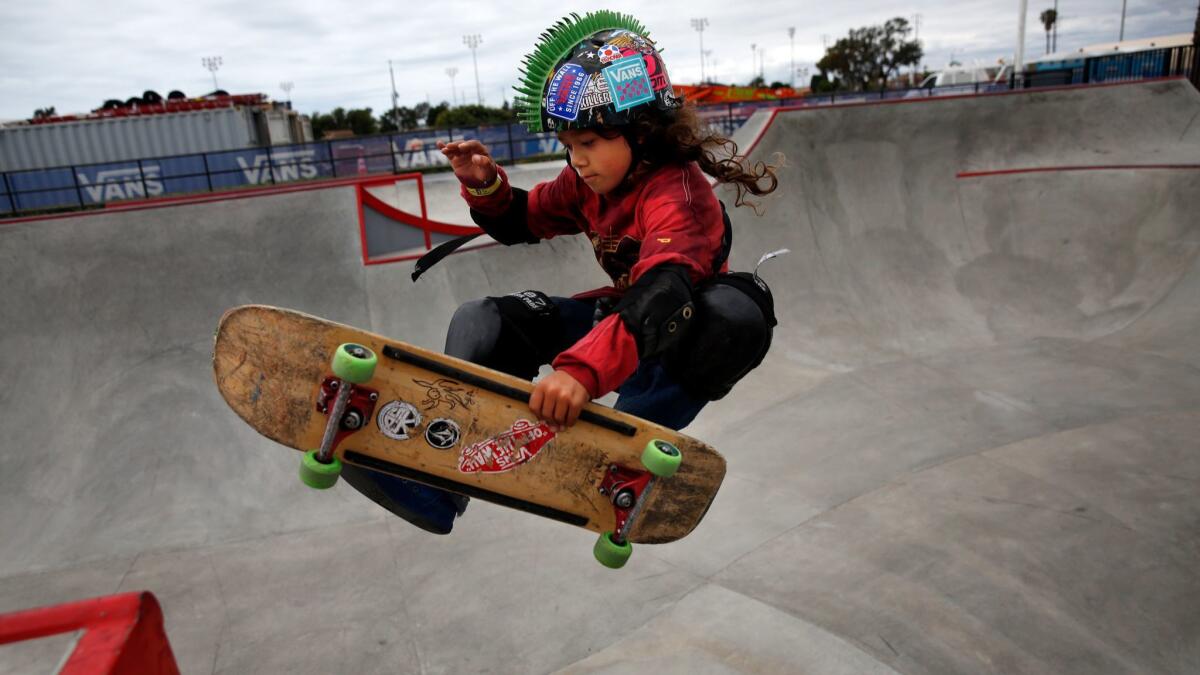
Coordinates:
[471,162]
[558,399]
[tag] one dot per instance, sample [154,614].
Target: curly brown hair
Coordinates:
[662,137]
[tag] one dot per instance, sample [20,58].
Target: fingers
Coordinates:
[558,400]
[463,149]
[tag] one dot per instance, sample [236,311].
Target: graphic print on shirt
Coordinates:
[617,255]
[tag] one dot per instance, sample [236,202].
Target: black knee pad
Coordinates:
[529,326]
[658,309]
[735,319]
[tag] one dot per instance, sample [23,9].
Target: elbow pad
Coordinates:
[658,309]
[511,227]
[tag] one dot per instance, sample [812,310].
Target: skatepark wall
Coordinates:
[894,254]
[917,227]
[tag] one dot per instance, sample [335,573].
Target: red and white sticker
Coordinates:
[507,451]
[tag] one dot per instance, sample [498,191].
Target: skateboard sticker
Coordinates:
[442,434]
[507,451]
[397,420]
[448,391]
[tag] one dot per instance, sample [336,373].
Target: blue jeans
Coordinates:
[480,334]
[649,393]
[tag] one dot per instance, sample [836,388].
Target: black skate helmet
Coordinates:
[592,72]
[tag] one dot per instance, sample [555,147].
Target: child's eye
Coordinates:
[587,144]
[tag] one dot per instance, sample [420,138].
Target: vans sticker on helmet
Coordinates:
[629,82]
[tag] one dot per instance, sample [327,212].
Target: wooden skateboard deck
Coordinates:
[454,425]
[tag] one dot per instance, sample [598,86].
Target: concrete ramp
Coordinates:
[973,448]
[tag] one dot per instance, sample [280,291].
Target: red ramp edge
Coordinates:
[364,199]
[124,634]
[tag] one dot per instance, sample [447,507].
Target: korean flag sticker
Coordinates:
[629,82]
[566,88]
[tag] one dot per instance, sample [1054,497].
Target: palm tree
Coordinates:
[1049,18]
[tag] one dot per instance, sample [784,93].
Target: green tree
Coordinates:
[870,56]
[473,116]
[432,113]
[410,118]
[43,113]
[1049,18]
[359,121]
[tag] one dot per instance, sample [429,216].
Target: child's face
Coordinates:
[601,162]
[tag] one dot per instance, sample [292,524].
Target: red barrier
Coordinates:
[124,634]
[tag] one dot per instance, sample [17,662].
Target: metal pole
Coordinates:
[1124,4]
[512,150]
[1019,63]
[142,175]
[1054,35]
[792,39]
[12,203]
[395,110]
[699,25]
[473,42]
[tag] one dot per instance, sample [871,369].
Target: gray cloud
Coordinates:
[74,55]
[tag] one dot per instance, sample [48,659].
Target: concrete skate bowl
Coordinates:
[973,447]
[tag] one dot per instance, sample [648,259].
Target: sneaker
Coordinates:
[428,508]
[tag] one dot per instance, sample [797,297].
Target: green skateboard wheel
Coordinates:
[354,363]
[610,554]
[319,476]
[661,458]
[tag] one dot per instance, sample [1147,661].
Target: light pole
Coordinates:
[762,65]
[1019,62]
[212,63]
[1054,37]
[753,60]
[395,106]
[699,25]
[473,42]
[792,39]
[1124,3]
[287,91]
[912,77]
[453,88]
[712,63]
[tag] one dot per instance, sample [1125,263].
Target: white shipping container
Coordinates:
[116,139]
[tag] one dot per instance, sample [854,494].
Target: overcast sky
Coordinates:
[74,55]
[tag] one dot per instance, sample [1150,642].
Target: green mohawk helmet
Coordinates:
[591,71]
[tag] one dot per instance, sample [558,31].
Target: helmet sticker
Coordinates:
[596,94]
[609,53]
[629,82]
[563,96]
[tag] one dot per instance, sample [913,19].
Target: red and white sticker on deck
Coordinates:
[507,451]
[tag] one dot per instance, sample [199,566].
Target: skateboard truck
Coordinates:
[628,490]
[352,407]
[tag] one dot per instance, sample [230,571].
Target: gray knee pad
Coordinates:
[474,331]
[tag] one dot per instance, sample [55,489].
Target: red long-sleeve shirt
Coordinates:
[670,216]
